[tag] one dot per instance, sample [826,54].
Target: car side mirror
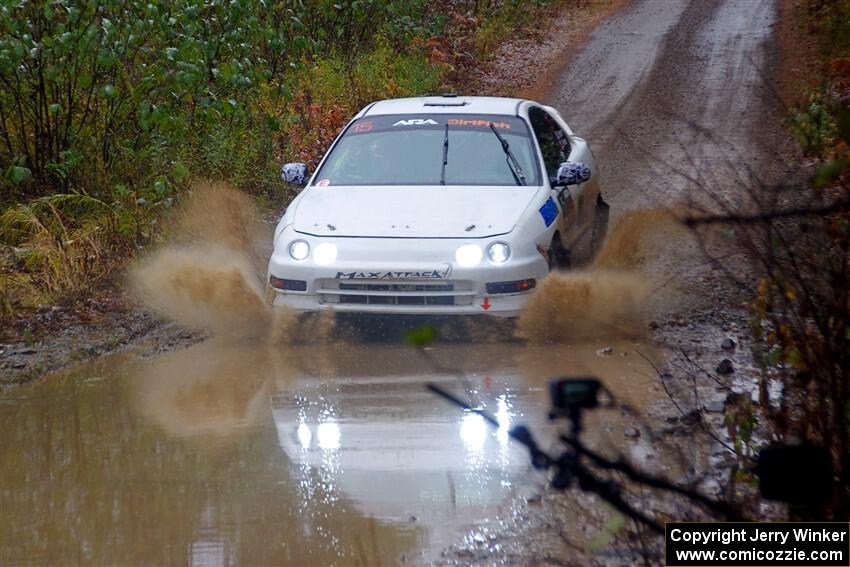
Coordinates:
[573,173]
[294,173]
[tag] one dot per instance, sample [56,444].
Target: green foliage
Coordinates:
[381,73]
[411,20]
[16,175]
[421,336]
[87,88]
[502,19]
[814,128]
[828,172]
[740,421]
[94,82]
[831,21]
[839,162]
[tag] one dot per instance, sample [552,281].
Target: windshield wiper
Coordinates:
[445,156]
[513,164]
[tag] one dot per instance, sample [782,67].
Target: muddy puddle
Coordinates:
[223,454]
[255,448]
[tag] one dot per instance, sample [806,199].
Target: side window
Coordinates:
[554,142]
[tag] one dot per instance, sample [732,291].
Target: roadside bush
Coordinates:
[333,89]
[802,322]
[501,19]
[801,307]
[813,127]
[63,242]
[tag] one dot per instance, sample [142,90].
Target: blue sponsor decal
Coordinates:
[549,211]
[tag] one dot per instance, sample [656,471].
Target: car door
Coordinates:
[555,148]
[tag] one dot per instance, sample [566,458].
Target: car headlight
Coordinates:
[468,255]
[324,254]
[499,252]
[299,249]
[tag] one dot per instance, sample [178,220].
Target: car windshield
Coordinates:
[409,149]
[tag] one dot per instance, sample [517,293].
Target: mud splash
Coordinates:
[209,276]
[207,288]
[637,238]
[209,391]
[611,298]
[219,215]
[584,305]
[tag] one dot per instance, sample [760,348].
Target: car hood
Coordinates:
[412,212]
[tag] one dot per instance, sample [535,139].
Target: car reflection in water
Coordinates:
[372,464]
[395,450]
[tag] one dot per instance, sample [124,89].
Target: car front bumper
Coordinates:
[404,276]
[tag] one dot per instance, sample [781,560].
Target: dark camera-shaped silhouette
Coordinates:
[800,475]
[574,393]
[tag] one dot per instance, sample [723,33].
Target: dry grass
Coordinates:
[62,244]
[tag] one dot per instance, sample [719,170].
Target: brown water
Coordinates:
[251,449]
[223,454]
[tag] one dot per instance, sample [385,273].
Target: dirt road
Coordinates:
[677,99]
[672,92]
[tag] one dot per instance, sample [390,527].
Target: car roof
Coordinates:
[446,104]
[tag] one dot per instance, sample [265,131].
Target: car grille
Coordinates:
[371,292]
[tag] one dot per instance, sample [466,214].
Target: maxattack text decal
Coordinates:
[414,275]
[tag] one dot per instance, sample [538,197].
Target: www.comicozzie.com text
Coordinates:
[757,534]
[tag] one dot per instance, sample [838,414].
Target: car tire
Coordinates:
[600,224]
[559,257]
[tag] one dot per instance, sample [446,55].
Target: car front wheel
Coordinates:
[600,224]
[559,257]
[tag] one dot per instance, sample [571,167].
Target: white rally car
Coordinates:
[440,206]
